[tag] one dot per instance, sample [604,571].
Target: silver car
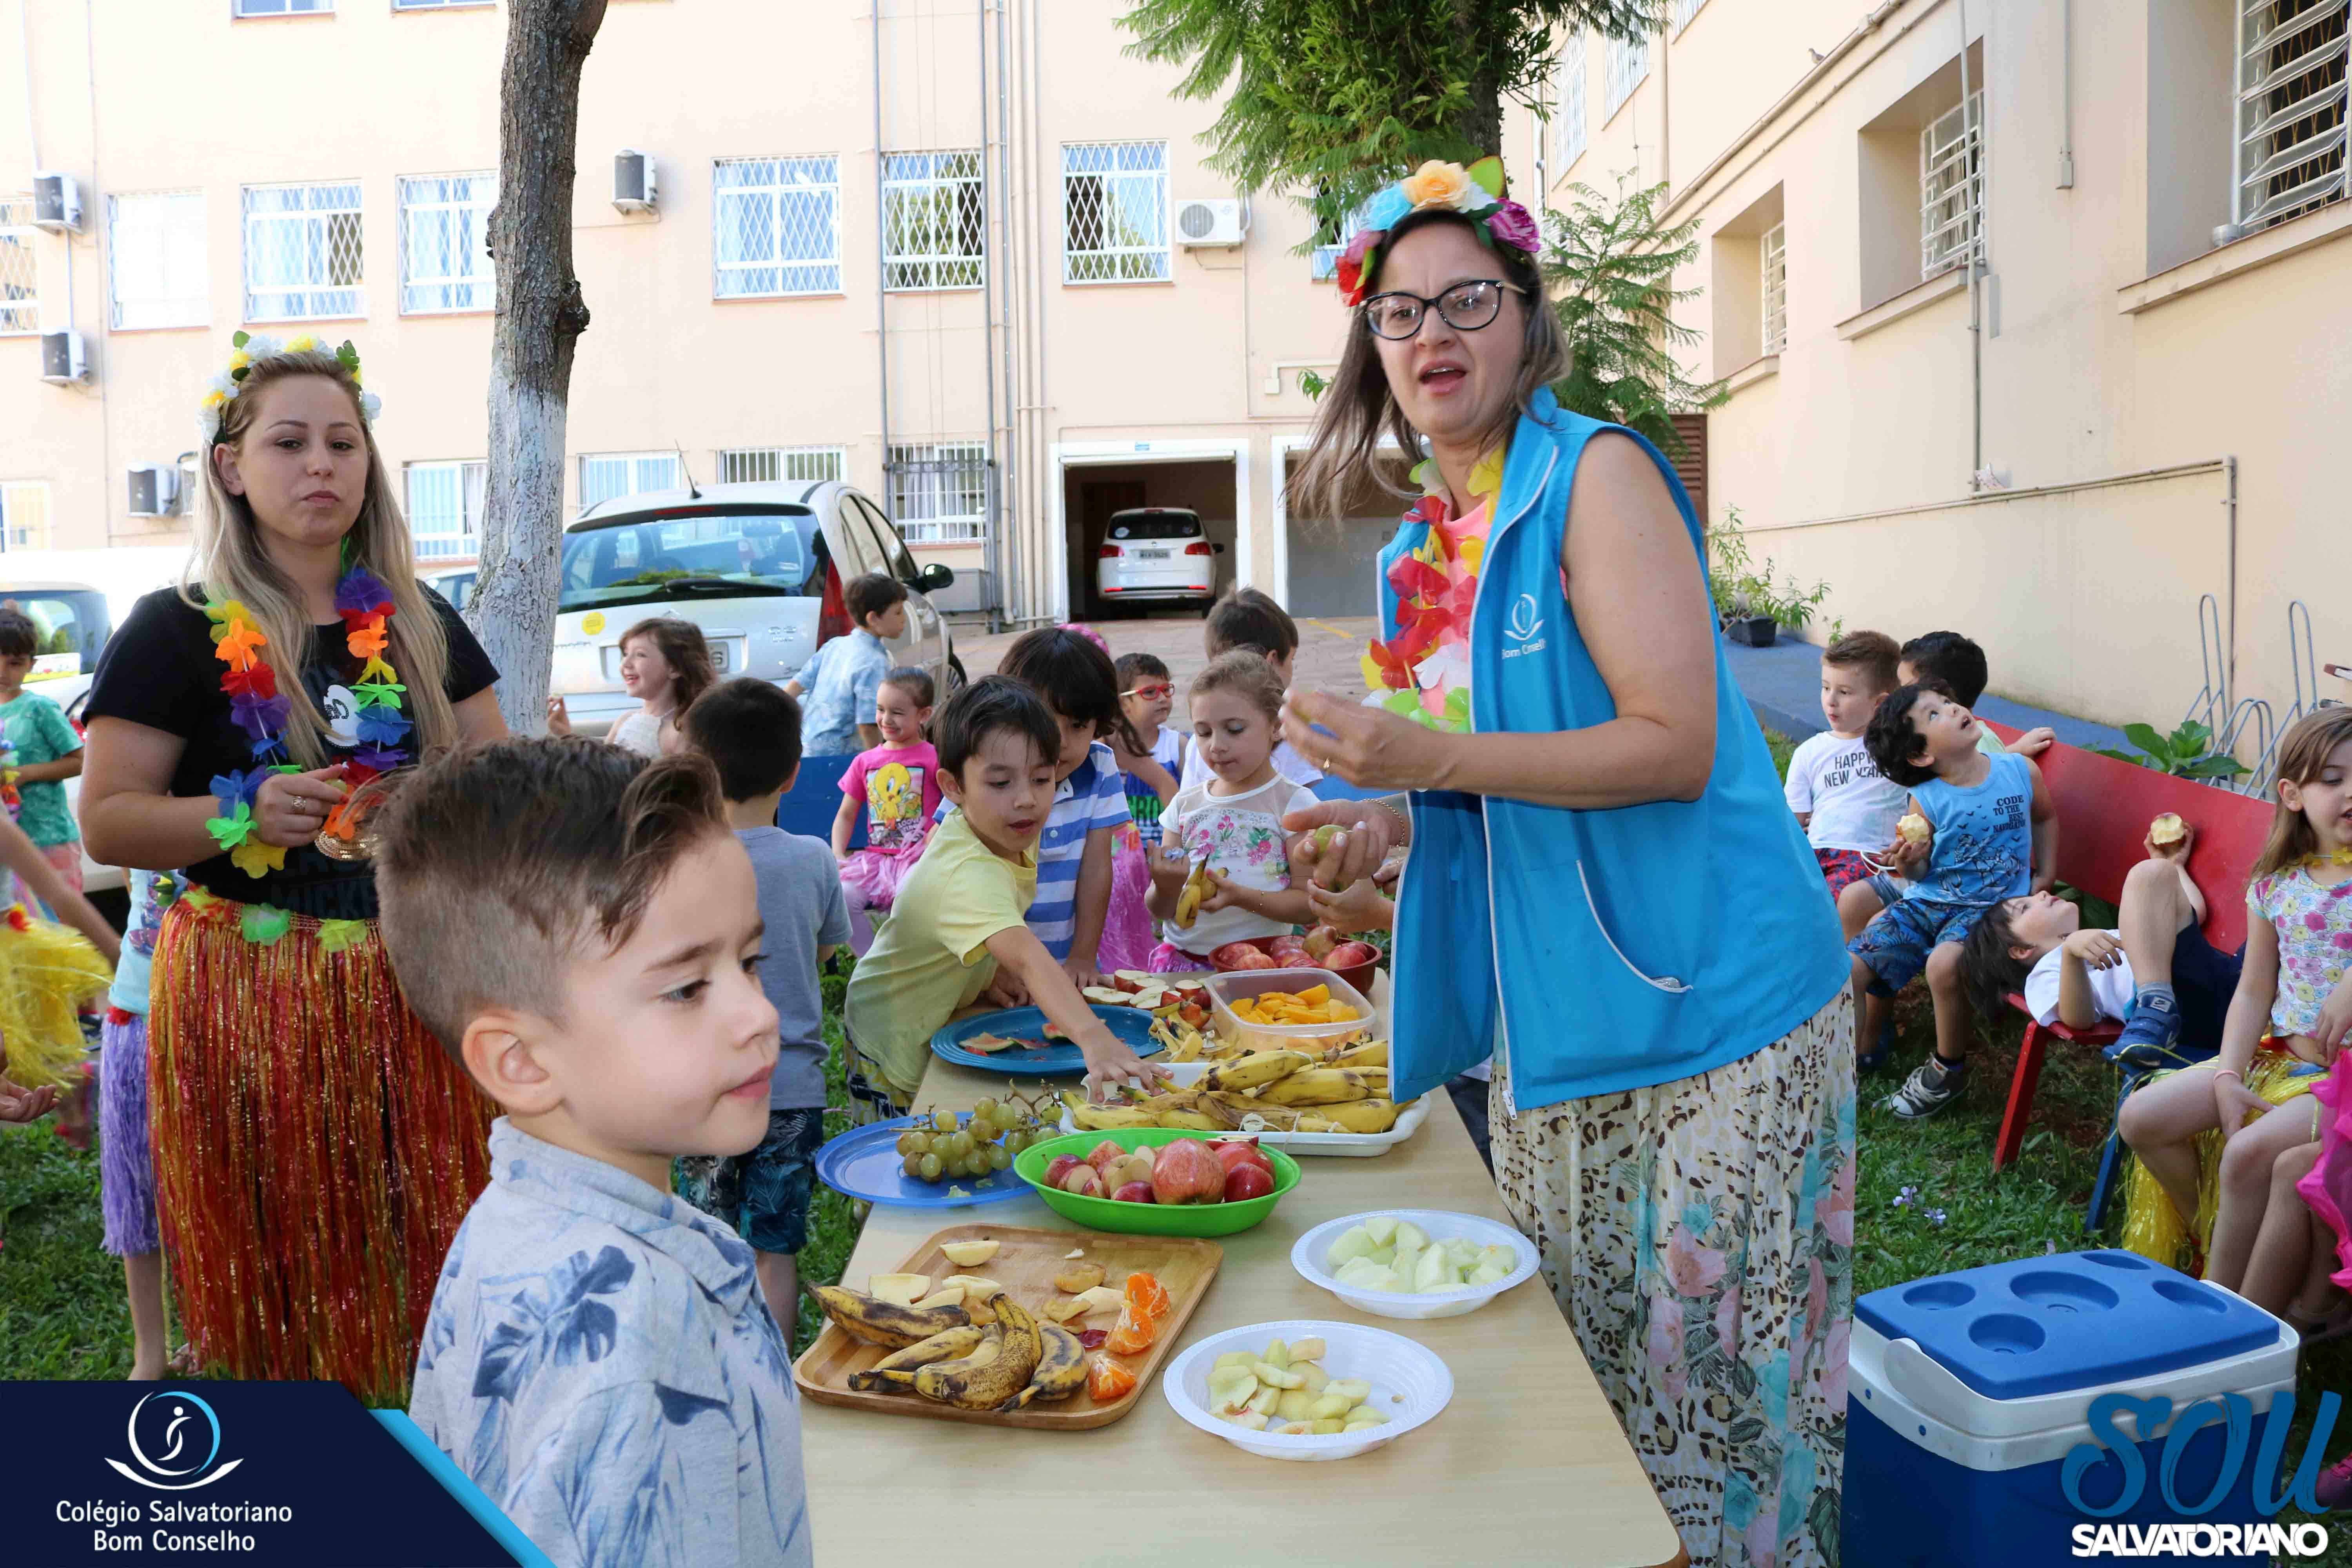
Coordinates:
[759,567]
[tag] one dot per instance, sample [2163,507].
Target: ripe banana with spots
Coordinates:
[1061,1371]
[1189,898]
[1317,1085]
[992,1383]
[896,1370]
[1369,1054]
[1089,1117]
[880,1322]
[1364,1115]
[1255,1071]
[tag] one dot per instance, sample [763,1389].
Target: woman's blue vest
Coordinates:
[1605,949]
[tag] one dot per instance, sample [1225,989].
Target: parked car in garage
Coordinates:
[1156,553]
[759,567]
[454,586]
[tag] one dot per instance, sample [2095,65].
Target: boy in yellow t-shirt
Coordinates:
[959,929]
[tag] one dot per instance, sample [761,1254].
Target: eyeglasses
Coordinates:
[1465,307]
[1149,693]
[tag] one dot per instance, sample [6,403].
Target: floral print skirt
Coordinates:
[1699,1235]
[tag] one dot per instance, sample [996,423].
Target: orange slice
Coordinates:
[1106,1380]
[1147,1295]
[1134,1332]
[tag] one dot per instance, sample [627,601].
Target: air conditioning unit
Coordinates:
[633,181]
[1209,223]
[154,490]
[57,203]
[62,362]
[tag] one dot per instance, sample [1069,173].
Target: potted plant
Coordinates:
[1749,605]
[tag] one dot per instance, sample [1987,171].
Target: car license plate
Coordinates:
[1151,555]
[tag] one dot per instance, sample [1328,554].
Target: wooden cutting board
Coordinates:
[1025,1265]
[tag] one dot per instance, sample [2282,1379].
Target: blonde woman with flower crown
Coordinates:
[315,1149]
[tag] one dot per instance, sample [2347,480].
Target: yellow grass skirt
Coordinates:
[2152,1226]
[46,972]
[315,1148]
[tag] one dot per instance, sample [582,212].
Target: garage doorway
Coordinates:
[1093,491]
[1326,567]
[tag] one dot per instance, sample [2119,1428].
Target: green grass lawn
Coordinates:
[62,1313]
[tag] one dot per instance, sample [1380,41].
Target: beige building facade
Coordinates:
[2141,400]
[954,240]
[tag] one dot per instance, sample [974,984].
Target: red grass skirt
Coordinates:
[315,1148]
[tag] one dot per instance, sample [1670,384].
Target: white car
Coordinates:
[1156,553]
[759,567]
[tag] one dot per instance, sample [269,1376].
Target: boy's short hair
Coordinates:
[1245,618]
[1951,658]
[915,681]
[1988,972]
[19,638]
[1893,740]
[1872,652]
[1244,671]
[497,864]
[750,731]
[871,594]
[1070,671]
[990,705]
[1131,665]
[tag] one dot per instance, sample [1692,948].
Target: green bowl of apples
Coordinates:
[1192,1211]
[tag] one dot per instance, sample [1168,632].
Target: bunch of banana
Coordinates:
[880,1322]
[896,1370]
[984,1382]
[1176,1108]
[1195,889]
[1345,1089]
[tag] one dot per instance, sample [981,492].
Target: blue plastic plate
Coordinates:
[1059,1059]
[865,1162]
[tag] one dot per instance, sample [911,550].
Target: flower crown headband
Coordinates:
[247,350]
[1476,193]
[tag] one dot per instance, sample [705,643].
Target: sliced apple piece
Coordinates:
[966,1254]
[1355,1390]
[1305,1349]
[1230,1360]
[1085,1276]
[899,1289]
[1331,1428]
[1253,1419]
[1381,1228]
[975,1286]
[1109,995]
[1409,1234]
[1316,1378]
[1294,1404]
[950,1297]
[1281,1377]
[1267,1399]
[1102,1298]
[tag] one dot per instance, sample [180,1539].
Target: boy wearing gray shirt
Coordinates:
[751,732]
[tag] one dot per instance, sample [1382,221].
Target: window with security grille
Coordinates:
[444,247]
[939,492]
[607,476]
[20,270]
[2289,156]
[781,465]
[1568,114]
[1629,62]
[156,272]
[301,252]
[1115,213]
[439,5]
[282,7]
[934,230]
[1774,259]
[24,515]
[778,226]
[1325,260]
[1683,11]
[1951,189]
[445,508]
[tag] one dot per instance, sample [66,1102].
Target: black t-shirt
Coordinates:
[160,670]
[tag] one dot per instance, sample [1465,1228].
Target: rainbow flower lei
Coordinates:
[260,709]
[1434,605]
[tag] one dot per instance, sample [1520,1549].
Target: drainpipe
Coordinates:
[991,508]
[1006,248]
[2066,88]
[2229,501]
[881,263]
[1977,253]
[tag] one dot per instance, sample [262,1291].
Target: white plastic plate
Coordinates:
[1410,1385]
[1345,1145]
[1307,1253]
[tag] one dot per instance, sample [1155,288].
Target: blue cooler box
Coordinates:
[1967,1392]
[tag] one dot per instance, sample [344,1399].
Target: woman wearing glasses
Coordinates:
[1605,891]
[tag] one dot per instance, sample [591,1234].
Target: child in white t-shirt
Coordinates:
[1233,823]
[1848,808]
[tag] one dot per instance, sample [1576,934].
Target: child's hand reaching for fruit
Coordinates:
[1359,907]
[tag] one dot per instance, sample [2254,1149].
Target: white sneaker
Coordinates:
[1931,1087]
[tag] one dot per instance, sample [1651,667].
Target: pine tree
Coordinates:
[1335,98]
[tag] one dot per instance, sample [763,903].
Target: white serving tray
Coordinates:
[1343,1145]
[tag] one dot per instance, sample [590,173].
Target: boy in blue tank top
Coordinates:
[1986,831]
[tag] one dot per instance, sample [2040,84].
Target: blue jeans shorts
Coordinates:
[1898,939]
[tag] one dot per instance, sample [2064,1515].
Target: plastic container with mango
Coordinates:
[1287,1009]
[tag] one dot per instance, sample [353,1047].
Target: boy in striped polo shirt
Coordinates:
[1080,686]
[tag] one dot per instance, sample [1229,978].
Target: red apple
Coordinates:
[1321,939]
[1247,1179]
[1060,1166]
[1081,1179]
[1350,954]
[1102,1155]
[1134,1193]
[1188,1174]
[1233,955]
[1237,1154]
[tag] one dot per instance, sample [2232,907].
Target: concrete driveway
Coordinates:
[1329,651]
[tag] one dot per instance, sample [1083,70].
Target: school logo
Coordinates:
[1524,622]
[177,1435]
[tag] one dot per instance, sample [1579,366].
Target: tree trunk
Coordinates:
[1480,122]
[540,315]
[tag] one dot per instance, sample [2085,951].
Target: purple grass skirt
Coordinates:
[126,1161]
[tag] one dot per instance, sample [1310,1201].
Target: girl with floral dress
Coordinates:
[1233,823]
